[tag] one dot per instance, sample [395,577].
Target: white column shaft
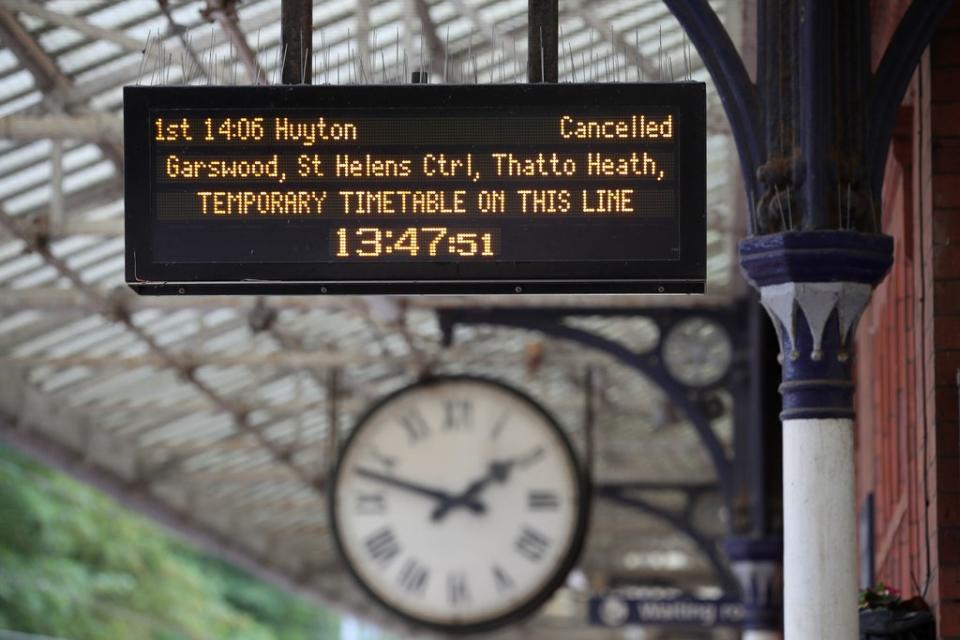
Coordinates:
[820,564]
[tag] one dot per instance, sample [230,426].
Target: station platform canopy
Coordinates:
[220,416]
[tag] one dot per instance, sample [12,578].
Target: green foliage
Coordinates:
[75,565]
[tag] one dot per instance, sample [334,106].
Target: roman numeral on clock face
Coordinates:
[413,577]
[385,460]
[499,425]
[531,544]
[370,504]
[458,414]
[457,590]
[415,425]
[382,546]
[501,578]
[543,501]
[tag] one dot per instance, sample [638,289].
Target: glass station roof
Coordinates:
[218,415]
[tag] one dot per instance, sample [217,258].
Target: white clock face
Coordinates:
[458,503]
[697,352]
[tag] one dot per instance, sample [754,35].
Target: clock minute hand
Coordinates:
[498,471]
[436,494]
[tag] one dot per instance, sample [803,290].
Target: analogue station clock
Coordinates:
[697,352]
[458,503]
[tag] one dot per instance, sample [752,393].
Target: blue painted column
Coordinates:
[757,564]
[815,285]
[812,131]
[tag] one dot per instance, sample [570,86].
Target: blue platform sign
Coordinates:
[614,610]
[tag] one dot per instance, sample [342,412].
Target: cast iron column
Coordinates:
[815,269]
[813,134]
[815,284]
[756,549]
[758,565]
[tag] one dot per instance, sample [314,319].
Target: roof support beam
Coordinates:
[616,39]
[367,64]
[224,13]
[114,309]
[63,300]
[50,80]
[79,25]
[428,33]
[294,360]
[199,39]
[185,43]
[494,36]
[32,56]
[95,127]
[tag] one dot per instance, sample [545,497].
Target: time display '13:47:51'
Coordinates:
[415,242]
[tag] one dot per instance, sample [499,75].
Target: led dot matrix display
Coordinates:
[436,188]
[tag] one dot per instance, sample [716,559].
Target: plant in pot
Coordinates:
[884,614]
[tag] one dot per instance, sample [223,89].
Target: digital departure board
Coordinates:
[416,189]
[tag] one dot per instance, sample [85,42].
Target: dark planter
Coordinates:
[881,624]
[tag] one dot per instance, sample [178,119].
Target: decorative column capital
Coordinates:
[816,256]
[814,285]
[758,565]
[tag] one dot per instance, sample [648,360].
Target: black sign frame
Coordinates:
[683,275]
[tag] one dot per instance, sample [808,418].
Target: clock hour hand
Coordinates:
[436,494]
[498,471]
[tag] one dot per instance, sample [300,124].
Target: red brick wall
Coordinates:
[888,371]
[909,348]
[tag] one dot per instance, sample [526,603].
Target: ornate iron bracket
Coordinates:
[812,133]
